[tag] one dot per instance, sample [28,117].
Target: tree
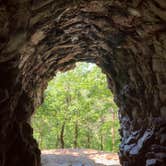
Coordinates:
[76,111]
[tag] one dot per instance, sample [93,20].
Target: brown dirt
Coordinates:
[78,157]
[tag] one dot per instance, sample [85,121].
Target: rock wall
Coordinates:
[127,39]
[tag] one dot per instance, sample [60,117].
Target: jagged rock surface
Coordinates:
[127,39]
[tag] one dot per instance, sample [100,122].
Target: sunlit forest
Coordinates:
[78,112]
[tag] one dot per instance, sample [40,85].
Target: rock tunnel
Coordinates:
[126,39]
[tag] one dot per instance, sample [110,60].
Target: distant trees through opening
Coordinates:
[78,112]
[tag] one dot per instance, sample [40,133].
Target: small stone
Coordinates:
[134,12]
[151,162]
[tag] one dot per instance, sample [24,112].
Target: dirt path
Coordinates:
[78,157]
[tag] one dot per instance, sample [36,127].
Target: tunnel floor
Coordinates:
[78,157]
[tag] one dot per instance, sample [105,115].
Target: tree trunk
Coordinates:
[88,140]
[76,135]
[62,142]
[101,142]
[113,131]
[57,141]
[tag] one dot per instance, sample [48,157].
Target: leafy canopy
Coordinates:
[80,100]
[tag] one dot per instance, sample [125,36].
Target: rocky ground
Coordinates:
[78,157]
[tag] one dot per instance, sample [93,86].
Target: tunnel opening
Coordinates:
[125,38]
[78,115]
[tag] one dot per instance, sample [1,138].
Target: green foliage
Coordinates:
[80,100]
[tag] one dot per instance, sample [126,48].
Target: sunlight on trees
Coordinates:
[78,112]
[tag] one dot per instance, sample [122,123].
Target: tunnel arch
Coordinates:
[126,39]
